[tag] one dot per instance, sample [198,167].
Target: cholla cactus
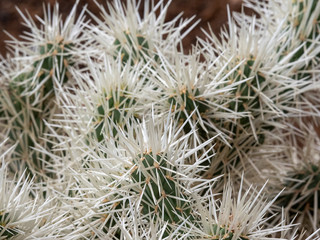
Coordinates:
[144,175]
[24,212]
[294,167]
[142,141]
[31,80]
[264,85]
[123,33]
[241,216]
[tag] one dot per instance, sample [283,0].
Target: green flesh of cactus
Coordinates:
[139,48]
[155,179]
[59,57]
[184,104]
[223,233]
[246,96]
[247,100]
[307,38]
[316,25]
[118,107]
[160,189]
[110,220]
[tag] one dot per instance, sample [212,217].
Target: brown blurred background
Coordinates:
[213,12]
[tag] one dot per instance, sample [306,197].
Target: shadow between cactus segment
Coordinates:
[8,232]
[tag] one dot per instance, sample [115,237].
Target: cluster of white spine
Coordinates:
[109,130]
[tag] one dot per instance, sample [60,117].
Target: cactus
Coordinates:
[155,181]
[126,136]
[302,185]
[219,232]
[305,14]
[246,95]
[117,109]
[56,63]
[29,98]
[7,232]
[111,219]
[160,190]
[133,48]
[184,104]
[29,107]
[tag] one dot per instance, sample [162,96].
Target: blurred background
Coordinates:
[213,12]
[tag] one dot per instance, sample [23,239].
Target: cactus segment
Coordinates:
[111,219]
[28,107]
[246,99]
[161,196]
[161,193]
[58,53]
[304,188]
[117,108]
[302,5]
[223,233]
[245,93]
[184,105]
[138,48]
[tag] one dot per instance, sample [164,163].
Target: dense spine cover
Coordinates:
[110,131]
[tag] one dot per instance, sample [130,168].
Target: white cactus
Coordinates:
[124,136]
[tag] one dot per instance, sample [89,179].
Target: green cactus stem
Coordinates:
[223,233]
[161,192]
[185,103]
[155,179]
[111,218]
[58,56]
[297,24]
[117,108]
[243,99]
[247,100]
[133,49]
[246,96]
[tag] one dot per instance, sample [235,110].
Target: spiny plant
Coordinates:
[247,97]
[160,191]
[28,99]
[132,48]
[23,212]
[262,95]
[153,184]
[305,184]
[185,103]
[6,231]
[306,23]
[135,132]
[157,191]
[130,37]
[238,215]
[54,64]
[117,110]
[26,124]
[219,232]
[300,176]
